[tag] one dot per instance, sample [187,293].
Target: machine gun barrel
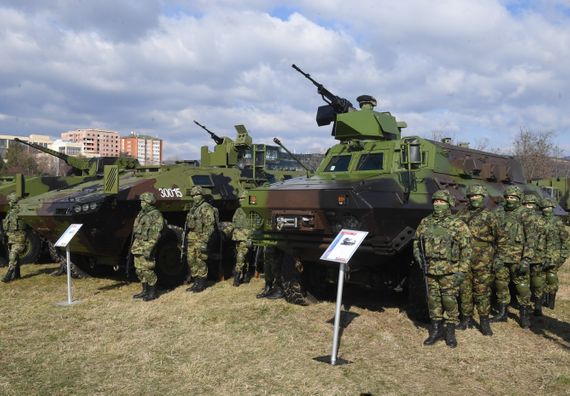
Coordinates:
[83,165]
[278,142]
[215,137]
[340,105]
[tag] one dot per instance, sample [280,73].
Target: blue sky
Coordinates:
[477,71]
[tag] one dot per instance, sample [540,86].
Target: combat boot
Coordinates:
[538,306]
[246,277]
[199,285]
[450,340]
[151,294]
[551,300]
[485,326]
[264,291]
[466,323]
[9,276]
[524,318]
[143,292]
[17,272]
[435,332]
[501,315]
[275,293]
[236,278]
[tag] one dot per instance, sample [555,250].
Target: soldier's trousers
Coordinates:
[144,268]
[197,256]
[16,250]
[551,277]
[537,280]
[475,291]
[272,266]
[510,273]
[442,298]
[242,249]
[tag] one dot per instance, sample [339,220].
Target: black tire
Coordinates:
[171,271]
[33,249]
[417,307]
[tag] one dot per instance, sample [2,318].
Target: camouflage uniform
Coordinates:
[241,235]
[554,249]
[485,232]
[537,275]
[515,256]
[147,229]
[447,251]
[201,225]
[16,232]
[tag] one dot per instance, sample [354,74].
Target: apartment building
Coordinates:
[146,149]
[95,142]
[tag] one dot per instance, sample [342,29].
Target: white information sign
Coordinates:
[66,237]
[344,246]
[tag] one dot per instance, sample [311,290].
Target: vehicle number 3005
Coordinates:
[170,192]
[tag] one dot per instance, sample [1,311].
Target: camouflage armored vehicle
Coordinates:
[108,206]
[376,180]
[81,170]
[556,188]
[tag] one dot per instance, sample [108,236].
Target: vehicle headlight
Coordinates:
[77,208]
[85,207]
[93,205]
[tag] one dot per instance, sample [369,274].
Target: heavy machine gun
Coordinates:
[214,137]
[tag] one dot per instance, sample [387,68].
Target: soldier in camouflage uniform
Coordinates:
[514,257]
[485,232]
[240,232]
[147,229]
[16,232]
[442,242]
[272,263]
[201,225]
[537,275]
[555,249]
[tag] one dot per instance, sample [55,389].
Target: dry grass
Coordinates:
[224,341]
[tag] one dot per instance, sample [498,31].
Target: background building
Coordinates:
[146,149]
[95,142]
[7,140]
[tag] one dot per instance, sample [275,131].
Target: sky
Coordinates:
[477,71]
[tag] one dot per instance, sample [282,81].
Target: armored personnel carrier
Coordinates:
[108,206]
[376,180]
[81,170]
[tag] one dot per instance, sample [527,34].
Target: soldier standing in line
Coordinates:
[16,232]
[556,249]
[147,228]
[485,232]
[241,235]
[442,243]
[201,225]
[515,256]
[537,275]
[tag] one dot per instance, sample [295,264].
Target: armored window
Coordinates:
[202,180]
[338,163]
[371,162]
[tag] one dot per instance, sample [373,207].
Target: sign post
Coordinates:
[64,241]
[341,250]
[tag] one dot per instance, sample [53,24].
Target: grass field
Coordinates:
[225,341]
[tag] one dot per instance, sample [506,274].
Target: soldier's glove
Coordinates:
[524,267]
[458,278]
[498,265]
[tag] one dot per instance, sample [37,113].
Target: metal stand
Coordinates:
[69,296]
[341,271]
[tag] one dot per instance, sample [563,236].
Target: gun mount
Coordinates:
[215,138]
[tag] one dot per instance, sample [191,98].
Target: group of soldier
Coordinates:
[468,255]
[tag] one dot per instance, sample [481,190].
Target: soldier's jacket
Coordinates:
[554,246]
[483,225]
[201,221]
[537,224]
[14,226]
[446,241]
[241,229]
[519,242]
[147,228]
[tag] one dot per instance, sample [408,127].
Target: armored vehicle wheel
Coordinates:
[33,248]
[171,271]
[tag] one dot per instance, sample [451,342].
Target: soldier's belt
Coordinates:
[479,243]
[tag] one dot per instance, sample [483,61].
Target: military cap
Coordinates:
[476,189]
[547,203]
[444,195]
[196,190]
[514,191]
[366,99]
[148,197]
[13,198]
[530,198]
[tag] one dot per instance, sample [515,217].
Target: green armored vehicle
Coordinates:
[374,180]
[81,170]
[556,188]
[108,206]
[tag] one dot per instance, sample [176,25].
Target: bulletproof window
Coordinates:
[371,162]
[202,180]
[338,163]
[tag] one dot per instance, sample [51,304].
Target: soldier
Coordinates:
[555,248]
[537,275]
[240,232]
[147,228]
[272,263]
[201,225]
[442,243]
[485,234]
[514,258]
[16,232]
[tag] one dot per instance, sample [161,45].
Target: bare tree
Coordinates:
[535,151]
